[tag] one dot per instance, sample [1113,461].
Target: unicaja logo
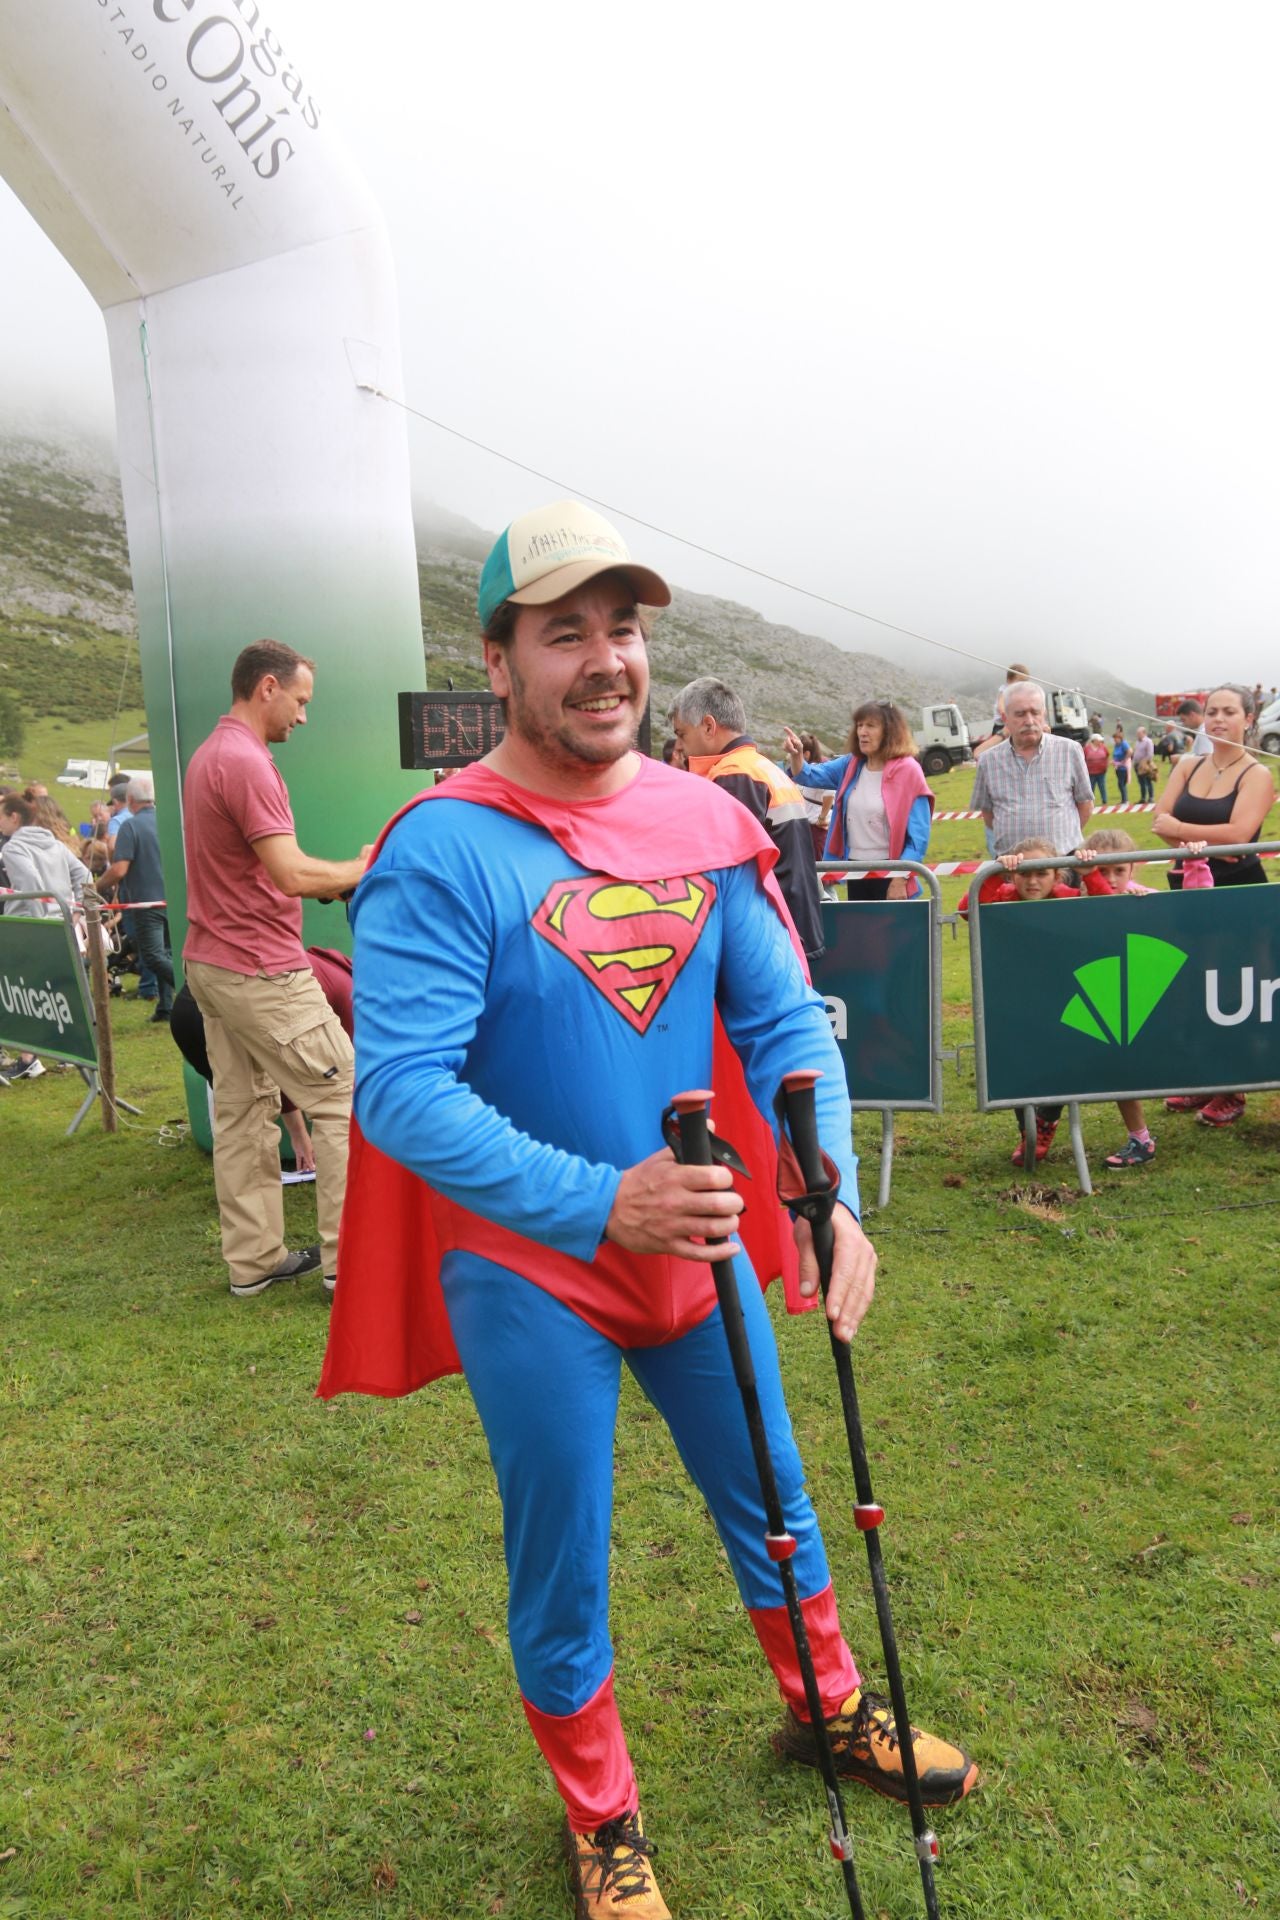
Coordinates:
[1119,994]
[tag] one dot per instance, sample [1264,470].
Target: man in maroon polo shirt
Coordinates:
[267,1023]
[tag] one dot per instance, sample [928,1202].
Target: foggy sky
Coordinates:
[961,316]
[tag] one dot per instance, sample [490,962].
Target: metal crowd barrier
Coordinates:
[1169,993]
[881,978]
[46,1006]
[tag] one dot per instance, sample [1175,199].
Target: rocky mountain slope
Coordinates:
[67,624]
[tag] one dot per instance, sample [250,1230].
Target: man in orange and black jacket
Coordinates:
[710,722]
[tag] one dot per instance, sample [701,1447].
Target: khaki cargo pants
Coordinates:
[264,1032]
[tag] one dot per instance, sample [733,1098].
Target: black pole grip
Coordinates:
[802,1125]
[691,1111]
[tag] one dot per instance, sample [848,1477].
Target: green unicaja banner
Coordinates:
[1112,998]
[875,978]
[43,1003]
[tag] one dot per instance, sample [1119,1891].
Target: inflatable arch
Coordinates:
[176,154]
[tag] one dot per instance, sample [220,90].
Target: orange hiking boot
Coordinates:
[865,1746]
[610,1873]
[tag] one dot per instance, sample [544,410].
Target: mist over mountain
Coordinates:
[68,623]
[785,676]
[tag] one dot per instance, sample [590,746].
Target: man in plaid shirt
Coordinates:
[1034,782]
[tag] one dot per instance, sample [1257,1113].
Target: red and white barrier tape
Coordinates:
[1113,806]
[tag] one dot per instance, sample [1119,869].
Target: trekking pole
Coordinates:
[815,1203]
[692,1143]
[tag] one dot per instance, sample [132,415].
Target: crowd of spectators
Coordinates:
[869,805]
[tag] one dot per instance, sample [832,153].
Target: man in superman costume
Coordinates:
[540,955]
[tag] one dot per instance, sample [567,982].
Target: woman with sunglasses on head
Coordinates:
[1221,797]
[883,806]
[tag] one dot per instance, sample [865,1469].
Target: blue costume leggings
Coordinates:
[546,1386]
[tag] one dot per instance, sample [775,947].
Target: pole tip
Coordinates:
[798,1081]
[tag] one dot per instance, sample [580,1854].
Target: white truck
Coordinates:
[93,774]
[1068,714]
[942,738]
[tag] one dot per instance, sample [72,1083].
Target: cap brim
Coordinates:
[650,589]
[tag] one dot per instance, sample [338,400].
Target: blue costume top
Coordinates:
[520,1023]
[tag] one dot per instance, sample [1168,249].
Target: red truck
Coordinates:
[1167,704]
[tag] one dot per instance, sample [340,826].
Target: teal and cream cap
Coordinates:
[550,552]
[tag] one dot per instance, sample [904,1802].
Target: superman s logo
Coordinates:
[630,939]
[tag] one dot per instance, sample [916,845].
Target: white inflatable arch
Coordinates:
[176,153]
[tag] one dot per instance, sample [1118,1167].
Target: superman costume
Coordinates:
[533,980]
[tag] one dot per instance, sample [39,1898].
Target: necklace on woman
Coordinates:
[1219,771]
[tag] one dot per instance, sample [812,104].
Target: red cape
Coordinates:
[389,1333]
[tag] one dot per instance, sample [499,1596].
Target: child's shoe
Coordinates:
[1134,1153]
[1222,1111]
[1045,1130]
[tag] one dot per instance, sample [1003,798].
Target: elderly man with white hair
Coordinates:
[1034,783]
[137,869]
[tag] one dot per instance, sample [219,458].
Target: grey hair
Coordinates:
[1020,687]
[142,787]
[709,696]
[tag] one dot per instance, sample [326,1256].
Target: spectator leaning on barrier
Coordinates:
[267,1023]
[138,875]
[1221,799]
[1034,782]
[1046,884]
[1043,883]
[883,807]
[36,862]
[710,722]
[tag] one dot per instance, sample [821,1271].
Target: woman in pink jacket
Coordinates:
[883,806]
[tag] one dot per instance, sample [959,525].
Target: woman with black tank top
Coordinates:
[1222,798]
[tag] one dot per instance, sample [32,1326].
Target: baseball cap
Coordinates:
[549,552]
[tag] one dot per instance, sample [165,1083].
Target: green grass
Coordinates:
[51,742]
[213,1587]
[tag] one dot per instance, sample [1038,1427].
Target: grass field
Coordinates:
[49,743]
[253,1658]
